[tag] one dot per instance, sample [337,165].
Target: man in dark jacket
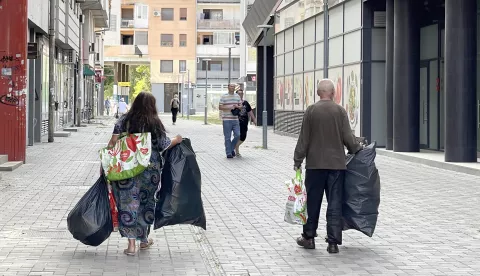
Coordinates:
[325,131]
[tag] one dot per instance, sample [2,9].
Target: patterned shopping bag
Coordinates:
[128,158]
[296,207]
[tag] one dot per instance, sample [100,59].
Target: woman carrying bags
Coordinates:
[135,196]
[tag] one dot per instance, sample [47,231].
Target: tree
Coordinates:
[139,80]
[108,84]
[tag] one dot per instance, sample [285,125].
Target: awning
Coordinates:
[259,14]
[87,71]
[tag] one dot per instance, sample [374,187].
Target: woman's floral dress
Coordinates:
[135,196]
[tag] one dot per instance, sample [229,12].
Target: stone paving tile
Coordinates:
[428,224]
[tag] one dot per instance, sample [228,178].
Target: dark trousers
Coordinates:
[174,114]
[316,182]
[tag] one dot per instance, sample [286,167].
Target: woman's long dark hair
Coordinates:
[143,116]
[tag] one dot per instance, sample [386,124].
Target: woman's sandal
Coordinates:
[128,253]
[145,246]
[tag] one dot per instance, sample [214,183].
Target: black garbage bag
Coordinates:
[90,221]
[180,200]
[361,195]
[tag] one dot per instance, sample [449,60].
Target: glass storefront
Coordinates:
[300,55]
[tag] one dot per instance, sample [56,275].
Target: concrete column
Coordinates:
[406,77]
[389,73]
[31,94]
[460,81]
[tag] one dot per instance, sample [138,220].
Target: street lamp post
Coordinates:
[188,93]
[229,62]
[206,89]
[264,113]
[183,93]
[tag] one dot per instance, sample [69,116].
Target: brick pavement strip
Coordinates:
[429,223]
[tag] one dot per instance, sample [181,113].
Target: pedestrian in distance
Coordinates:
[324,133]
[135,196]
[122,107]
[174,105]
[230,105]
[107,106]
[246,114]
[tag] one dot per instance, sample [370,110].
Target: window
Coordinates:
[166,40]
[113,23]
[166,66]
[183,14]
[141,12]
[71,4]
[207,40]
[182,66]
[212,14]
[167,14]
[212,66]
[141,38]
[183,40]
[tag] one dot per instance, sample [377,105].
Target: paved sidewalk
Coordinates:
[429,221]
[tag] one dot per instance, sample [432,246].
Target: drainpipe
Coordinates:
[325,39]
[51,73]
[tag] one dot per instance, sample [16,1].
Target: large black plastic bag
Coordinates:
[361,196]
[90,221]
[180,200]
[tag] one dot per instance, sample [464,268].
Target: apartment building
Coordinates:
[218,49]
[248,54]
[158,33]
[69,15]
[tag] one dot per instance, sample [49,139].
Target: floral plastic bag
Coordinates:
[128,158]
[296,208]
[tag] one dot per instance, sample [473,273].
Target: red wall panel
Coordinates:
[13,78]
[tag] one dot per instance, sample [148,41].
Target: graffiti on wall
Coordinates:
[10,66]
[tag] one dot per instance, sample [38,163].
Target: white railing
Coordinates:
[214,24]
[128,23]
[216,51]
[217,74]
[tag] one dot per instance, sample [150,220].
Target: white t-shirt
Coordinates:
[122,107]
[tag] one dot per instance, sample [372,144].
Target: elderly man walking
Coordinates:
[325,131]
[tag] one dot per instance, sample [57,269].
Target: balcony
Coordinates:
[127,23]
[217,74]
[218,1]
[99,9]
[216,51]
[214,24]
[126,53]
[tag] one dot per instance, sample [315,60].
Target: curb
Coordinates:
[455,167]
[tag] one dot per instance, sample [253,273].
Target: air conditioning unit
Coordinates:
[157,13]
[69,57]
[131,23]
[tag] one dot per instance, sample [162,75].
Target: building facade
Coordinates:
[161,34]
[33,102]
[218,50]
[392,67]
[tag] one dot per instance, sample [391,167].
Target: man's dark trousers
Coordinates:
[316,182]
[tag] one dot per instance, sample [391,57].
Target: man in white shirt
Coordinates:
[122,107]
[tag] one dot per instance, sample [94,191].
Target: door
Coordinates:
[424,129]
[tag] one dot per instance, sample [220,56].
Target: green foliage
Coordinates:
[139,80]
[108,85]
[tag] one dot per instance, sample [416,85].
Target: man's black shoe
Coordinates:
[332,248]
[306,243]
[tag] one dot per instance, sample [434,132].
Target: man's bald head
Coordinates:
[326,89]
